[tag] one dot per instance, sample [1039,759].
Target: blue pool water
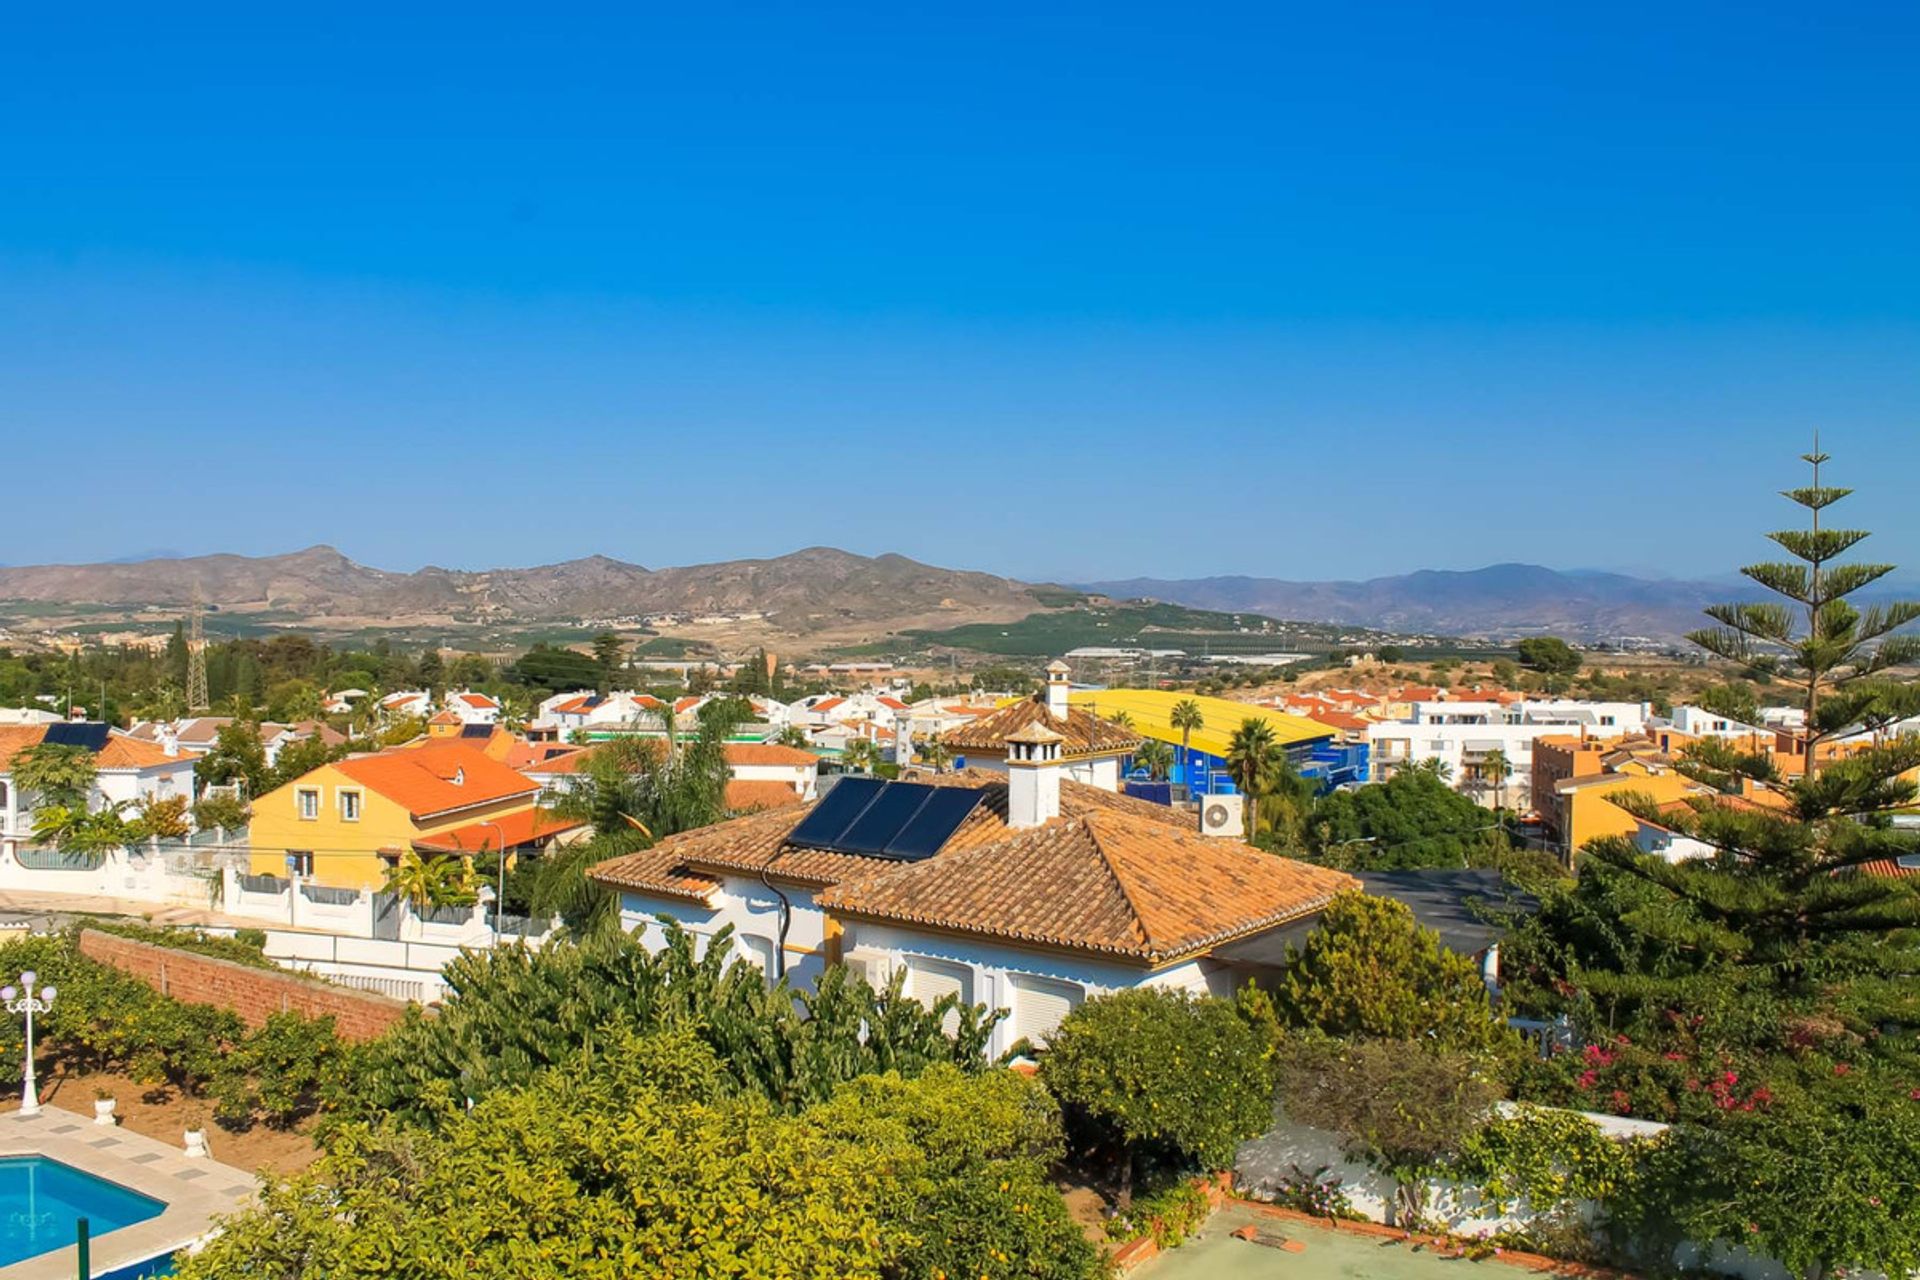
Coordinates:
[40,1199]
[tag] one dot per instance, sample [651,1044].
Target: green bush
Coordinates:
[1169,1215]
[513,1011]
[1168,1082]
[638,1157]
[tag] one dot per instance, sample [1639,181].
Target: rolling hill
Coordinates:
[815,589]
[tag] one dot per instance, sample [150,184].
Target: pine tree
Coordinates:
[1825,645]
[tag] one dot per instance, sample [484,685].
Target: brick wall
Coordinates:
[251,993]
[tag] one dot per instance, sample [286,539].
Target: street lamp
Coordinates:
[500,889]
[24,999]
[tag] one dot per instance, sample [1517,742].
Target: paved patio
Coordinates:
[195,1191]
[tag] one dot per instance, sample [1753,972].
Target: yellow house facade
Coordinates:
[345,824]
[1588,807]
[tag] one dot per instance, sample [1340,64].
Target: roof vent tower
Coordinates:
[1057,673]
[1033,776]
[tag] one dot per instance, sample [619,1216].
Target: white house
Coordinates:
[1092,750]
[474,708]
[1037,892]
[127,771]
[1462,735]
[1697,722]
[406,702]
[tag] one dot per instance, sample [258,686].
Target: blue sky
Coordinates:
[1056,291]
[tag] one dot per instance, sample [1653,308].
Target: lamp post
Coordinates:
[500,888]
[24,999]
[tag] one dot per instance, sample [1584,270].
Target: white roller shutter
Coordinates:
[929,980]
[758,950]
[1040,1005]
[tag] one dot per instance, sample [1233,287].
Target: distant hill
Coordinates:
[1501,601]
[809,590]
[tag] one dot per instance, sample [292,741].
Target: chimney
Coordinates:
[903,740]
[1033,776]
[1057,672]
[169,738]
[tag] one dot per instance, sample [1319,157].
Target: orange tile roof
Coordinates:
[892,704]
[1101,882]
[828,704]
[516,829]
[1083,732]
[1112,875]
[768,753]
[122,751]
[446,717]
[760,793]
[480,700]
[422,780]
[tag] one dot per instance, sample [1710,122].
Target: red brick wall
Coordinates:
[251,993]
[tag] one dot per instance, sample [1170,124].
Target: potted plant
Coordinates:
[103,1103]
[196,1135]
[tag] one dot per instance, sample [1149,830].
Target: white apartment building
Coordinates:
[1462,735]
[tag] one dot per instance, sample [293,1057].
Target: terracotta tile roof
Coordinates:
[760,793]
[446,717]
[739,753]
[656,871]
[422,780]
[892,704]
[1889,867]
[682,705]
[550,757]
[572,706]
[1102,882]
[122,750]
[827,704]
[480,700]
[523,827]
[1083,733]
[1112,875]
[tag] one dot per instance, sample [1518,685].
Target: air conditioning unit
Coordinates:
[1223,815]
[871,963]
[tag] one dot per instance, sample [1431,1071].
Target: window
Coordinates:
[349,806]
[1040,1005]
[758,951]
[1606,719]
[929,980]
[308,800]
[300,862]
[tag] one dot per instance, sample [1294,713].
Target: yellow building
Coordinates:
[1150,712]
[346,823]
[1587,809]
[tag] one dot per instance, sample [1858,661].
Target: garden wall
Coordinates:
[1265,1162]
[252,993]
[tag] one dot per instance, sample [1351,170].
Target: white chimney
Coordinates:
[1057,672]
[169,738]
[1033,776]
[903,741]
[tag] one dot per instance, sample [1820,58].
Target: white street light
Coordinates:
[24,999]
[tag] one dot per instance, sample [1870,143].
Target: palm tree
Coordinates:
[936,755]
[1187,717]
[1495,770]
[861,754]
[792,736]
[438,881]
[1156,757]
[1253,758]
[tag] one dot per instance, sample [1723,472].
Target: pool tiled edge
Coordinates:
[194,1191]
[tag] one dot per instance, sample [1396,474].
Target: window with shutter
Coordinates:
[929,980]
[1040,1005]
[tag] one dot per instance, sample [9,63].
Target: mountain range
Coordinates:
[1501,601]
[813,590]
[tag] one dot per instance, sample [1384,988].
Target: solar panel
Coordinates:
[882,820]
[930,829]
[822,828]
[76,734]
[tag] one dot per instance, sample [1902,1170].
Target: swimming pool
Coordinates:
[40,1200]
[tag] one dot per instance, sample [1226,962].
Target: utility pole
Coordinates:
[197,699]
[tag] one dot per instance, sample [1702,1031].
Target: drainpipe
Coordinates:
[786,919]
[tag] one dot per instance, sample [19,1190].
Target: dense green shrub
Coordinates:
[641,1157]
[1371,969]
[1167,1082]
[513,1011]
[239,949]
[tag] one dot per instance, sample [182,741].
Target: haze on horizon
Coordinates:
[1099,292]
